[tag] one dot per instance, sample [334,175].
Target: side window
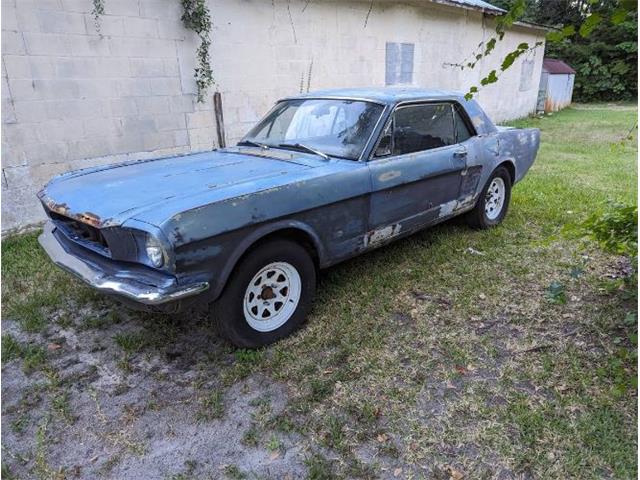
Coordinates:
[423,127]
[462,131]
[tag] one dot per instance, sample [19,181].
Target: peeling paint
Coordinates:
[382,235]
[447,209]
[385,177]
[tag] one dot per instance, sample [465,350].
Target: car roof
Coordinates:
[384,95]
[394,95]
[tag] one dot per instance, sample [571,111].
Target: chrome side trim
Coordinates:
[137,291]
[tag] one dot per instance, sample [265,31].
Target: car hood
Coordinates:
[110,195]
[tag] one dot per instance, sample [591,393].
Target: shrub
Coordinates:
[615,230]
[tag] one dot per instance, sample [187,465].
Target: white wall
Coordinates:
[72,97]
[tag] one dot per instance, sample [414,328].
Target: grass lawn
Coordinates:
[508,353]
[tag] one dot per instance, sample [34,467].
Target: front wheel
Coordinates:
[268,295]
[493,203]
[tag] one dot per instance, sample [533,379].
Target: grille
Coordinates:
[80,232]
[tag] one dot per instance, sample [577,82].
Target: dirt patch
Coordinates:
[87,414]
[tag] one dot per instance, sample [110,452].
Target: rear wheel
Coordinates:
[493,203]
[268,295]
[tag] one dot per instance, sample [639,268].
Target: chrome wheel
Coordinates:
[494,199]
[272,296]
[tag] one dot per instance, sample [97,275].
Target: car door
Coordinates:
[415,170]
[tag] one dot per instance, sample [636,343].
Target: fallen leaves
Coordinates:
[454,474]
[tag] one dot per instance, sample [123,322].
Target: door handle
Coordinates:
[460,153]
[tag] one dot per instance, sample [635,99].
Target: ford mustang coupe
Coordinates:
[321,178]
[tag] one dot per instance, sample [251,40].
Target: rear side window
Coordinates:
[423,127]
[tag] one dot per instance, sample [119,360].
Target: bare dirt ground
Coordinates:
[146,419]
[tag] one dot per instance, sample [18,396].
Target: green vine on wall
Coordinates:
[196,17]
[98,10]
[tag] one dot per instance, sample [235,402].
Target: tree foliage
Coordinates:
[598,38]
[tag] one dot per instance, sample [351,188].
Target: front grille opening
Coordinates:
[79,231]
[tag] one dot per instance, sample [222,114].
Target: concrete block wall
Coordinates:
[73,96]
[325,44]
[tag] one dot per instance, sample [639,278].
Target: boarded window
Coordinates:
[526,75]
[399,63]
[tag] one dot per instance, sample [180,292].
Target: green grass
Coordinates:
[251,437]
[131,342]
[319,468]
[234,473]
[211,406]
[467,317]
[521,359]
[33,356]
[11,348]
[32,286]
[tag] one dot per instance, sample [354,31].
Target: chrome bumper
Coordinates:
[126,287]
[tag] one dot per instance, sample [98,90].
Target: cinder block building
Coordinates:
[75,96]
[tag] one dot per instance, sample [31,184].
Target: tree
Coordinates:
[598,38]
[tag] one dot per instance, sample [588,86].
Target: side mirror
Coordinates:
[384,147]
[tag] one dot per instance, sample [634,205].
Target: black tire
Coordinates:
[229,310]
[478,217]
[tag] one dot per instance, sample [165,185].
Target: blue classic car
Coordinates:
[321,178]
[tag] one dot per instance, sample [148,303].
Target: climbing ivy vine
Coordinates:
[98,10]
[195,17]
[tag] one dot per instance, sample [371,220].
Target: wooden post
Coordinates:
[217,109]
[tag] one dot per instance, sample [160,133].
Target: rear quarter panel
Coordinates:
[514,147]
[520,145]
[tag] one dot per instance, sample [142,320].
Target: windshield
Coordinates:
[338,128]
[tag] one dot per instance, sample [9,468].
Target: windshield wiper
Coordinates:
[251,143]
[300,146]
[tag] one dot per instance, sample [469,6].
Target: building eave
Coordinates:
[493,11]
[466,6]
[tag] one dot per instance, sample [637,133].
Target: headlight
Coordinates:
[154,252]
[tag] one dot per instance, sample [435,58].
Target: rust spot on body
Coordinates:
[90,218]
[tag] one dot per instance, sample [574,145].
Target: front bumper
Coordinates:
[110,280]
